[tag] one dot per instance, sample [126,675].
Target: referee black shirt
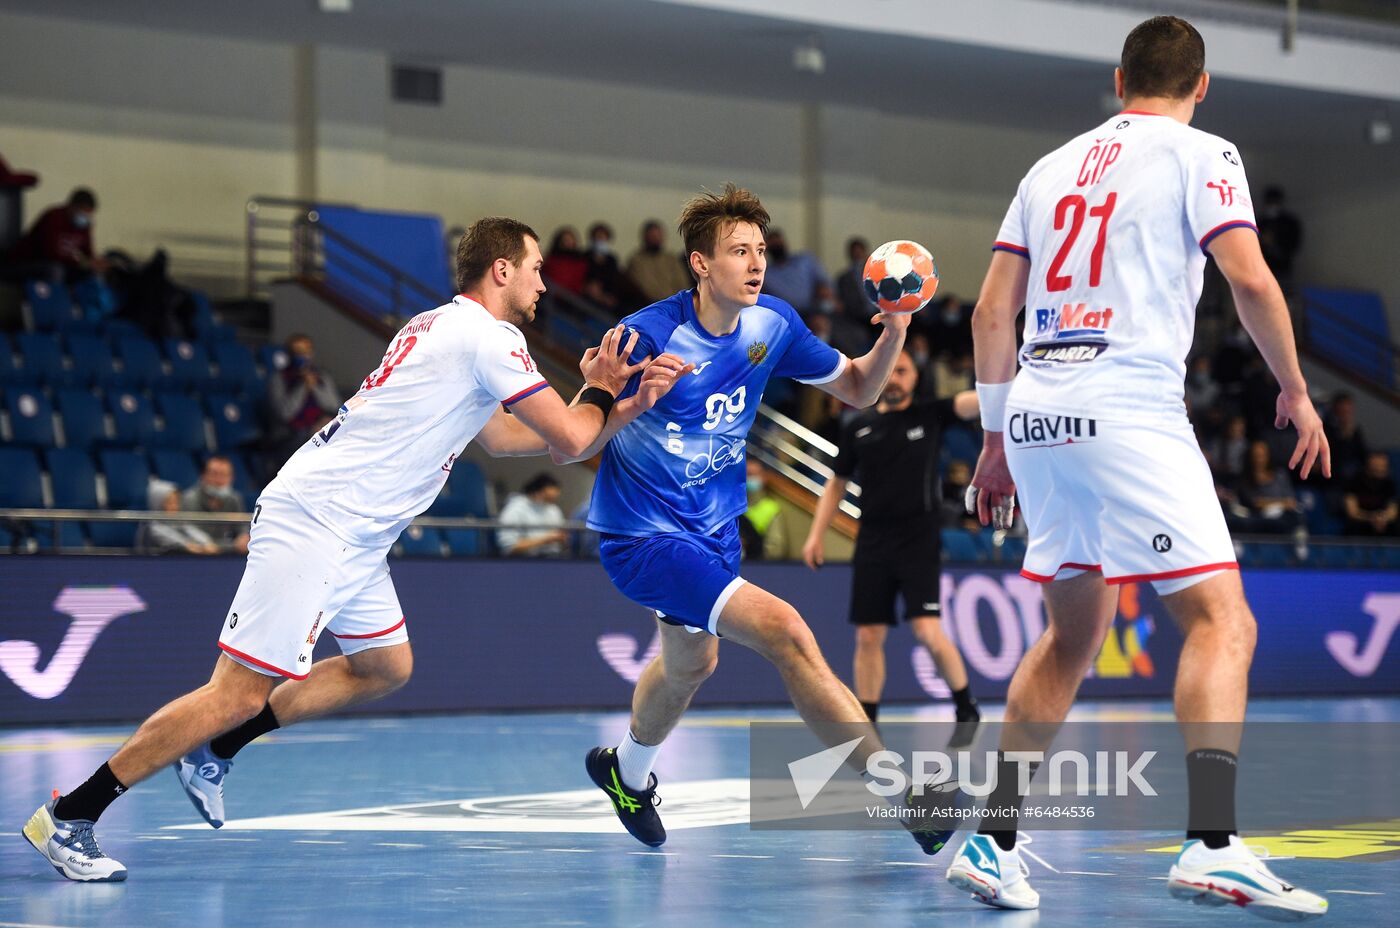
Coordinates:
[893,456]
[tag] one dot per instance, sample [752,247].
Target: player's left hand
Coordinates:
[659,377]
[893,322]
[992,494]
[1312,440]
[606,366]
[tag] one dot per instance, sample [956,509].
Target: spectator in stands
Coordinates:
[532,521]
[1262,501]
[655,272]
[171,537]
[952,375]
[1229,453]
[850,284]
[1344,434]
[1202,391]
[605,284]
[1280,236]
[922,355]
[302,397]
[58,248]
[796,277]
[566,266]
[764,533]
[215,493]
[1370,503]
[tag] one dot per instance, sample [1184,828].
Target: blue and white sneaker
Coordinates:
[993,876]
[1235,876]
[201,773]
[71,847]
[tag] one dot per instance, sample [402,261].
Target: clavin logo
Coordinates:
[91,609]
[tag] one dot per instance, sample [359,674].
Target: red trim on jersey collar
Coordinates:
[380,634]
[1141,113]
[528,391]
[263,664]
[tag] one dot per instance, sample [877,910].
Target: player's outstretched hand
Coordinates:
[1312,445]
[895,322]
[814,551]
[659,377]
[606,366]
[992,494]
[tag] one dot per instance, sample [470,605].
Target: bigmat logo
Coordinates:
[90,609]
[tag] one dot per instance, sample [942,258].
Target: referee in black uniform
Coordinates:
[892,452]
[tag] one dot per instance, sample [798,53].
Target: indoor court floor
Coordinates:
[488,819]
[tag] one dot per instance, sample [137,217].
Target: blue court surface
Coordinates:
[489,820]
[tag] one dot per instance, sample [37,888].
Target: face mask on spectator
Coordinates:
[602,246]
[82,220]
[754,484]
[920,358]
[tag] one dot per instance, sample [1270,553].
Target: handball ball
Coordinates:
[900,277]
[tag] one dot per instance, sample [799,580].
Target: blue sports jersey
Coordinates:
[679,466]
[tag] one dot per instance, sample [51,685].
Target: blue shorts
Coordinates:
[685,578]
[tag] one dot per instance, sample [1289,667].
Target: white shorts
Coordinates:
[1134,502]
[302,580]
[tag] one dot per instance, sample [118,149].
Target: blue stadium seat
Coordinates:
[273,358]
[140,361]
[31,417]
[417,541]
[189,363]
[11,367]
[23,489]
[50,305]
[83,424]
[1013,551]
[960,547]
[468,483]
[235,421]
[206,328]
[74,482]
[93,361]
[132,416]
[127,477]
[467,542]
[176,466]
[183,423]
[237,372]
[115,329]
[41,357]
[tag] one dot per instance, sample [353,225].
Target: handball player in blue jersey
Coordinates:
[671,486]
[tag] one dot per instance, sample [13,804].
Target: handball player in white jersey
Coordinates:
[322,527]
[1104,245]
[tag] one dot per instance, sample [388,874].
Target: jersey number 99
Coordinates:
[727,407]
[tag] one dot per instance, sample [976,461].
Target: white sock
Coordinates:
[635,760]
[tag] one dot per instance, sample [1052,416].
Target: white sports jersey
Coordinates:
[1116,225]
[384,457]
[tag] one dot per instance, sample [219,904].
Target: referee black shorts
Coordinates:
[911,573]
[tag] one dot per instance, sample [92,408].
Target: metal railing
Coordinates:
[380,287]
[1351,350]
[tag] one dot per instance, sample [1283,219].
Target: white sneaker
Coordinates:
[201,774]
[71,847]
[993,876]
[1234,875]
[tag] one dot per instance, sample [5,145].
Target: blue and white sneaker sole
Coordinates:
[1210,889]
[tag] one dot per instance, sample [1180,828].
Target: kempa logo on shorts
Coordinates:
[233,621]
[1162,544]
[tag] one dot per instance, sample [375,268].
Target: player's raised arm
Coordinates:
[655,382]
[572,429]
[861,383]
[994,353]
[1265,316]
[505,436]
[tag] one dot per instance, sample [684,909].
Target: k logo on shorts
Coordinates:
[1162,544]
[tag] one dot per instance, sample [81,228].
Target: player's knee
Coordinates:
[788,637]
[694,671]
[870,636]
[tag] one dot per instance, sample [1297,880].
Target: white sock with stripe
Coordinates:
[635,760]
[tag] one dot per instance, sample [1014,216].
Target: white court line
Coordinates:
[568,850]
[832,860]
[906,863]
[488,847]
[396,844]
[744,856]
[1037,858]
[1351,892]
[237,839]
[314,841]
[652,853]
[158,837]
[1088,872]
[26,925]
